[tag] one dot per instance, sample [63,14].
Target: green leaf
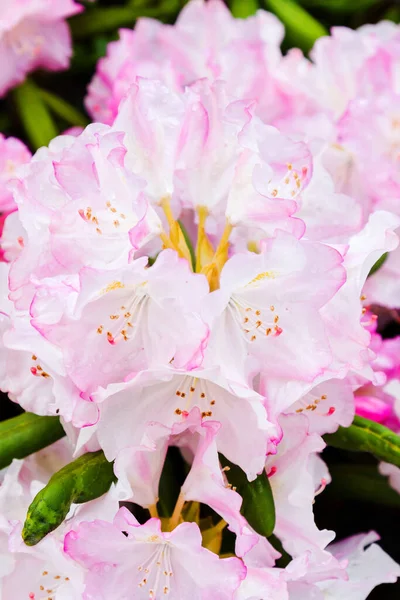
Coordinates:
[189,244]
[378,264]
[99,20]
[63,109]
[86,478]
[339,6]
[367,436]
[300,26]
[25,434]
[392,14]
[244,8]
[361,482]
[258,506]
[34,114]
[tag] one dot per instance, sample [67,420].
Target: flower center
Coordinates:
[254,322]
[23,42]
[48,586]
[120,325]
[290,184]
[157,570]
[111,216]
[318,405]
[195,392]
[37,370]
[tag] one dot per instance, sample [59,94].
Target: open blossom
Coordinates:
[264,302]
[205,151]
[178,56]
[139,468]
[33,34]
[364,566]
[166,394]
[126,560]
[118,309]
[80,185]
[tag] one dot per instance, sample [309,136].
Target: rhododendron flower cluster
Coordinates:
[188,274]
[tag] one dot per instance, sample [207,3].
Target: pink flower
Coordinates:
[12,236]
[380,400]
[126,559]
[178,56]
[205,151]
[327,406]
[13,153]
[33,34]
[165,396]
[139,468]
[118,309]
[296,474]
[80,185]
[367,567]
[268,305]
[344,312]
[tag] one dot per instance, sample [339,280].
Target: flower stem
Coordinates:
[153,511]
[174,520]
[224,239]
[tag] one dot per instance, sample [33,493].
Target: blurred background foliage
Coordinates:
[359,499]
